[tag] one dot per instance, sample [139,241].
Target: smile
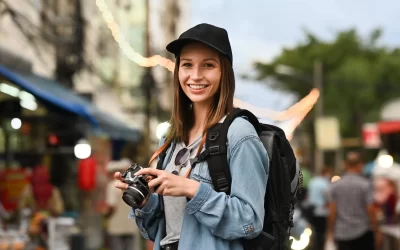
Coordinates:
[197,86]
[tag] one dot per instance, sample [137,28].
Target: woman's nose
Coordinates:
[196,74]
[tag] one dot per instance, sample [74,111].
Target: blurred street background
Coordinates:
[86,89]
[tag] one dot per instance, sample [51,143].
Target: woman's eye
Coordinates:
[186,64]
[208,65]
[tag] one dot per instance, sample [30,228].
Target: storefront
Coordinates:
[41,123]
[389,128]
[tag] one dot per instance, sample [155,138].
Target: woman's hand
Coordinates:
[120,184]
[168,184]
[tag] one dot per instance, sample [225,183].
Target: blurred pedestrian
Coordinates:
[317,199]
[385,196]
[353,220]
[93,200]
[43,200]
[120,233]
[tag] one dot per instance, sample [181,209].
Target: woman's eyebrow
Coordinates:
[206,59]
[211,59]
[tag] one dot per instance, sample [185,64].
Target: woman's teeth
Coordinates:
[197,86]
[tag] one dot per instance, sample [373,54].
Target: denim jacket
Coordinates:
[214,220]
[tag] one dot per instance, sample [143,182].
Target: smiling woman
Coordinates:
[199,72]
[185,207]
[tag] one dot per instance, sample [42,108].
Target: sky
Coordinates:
[259,29]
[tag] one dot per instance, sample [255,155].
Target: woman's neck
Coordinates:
[200,112]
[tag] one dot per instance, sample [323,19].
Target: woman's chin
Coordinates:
[198,100]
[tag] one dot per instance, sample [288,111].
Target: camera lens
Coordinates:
[135,196]
[131,199]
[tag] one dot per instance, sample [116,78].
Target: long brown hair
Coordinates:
[182,118]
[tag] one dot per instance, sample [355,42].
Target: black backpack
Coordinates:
[285,180]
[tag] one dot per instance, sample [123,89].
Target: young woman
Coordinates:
[194,215]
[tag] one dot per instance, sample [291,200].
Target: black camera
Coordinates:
[138,192]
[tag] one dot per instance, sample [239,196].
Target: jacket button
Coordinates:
[168,248]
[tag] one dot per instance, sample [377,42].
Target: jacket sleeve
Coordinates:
[148,217]
[240,214]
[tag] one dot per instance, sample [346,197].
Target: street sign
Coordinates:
[371,136]
[327,133]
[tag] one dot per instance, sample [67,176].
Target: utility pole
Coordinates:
[319,159]
[65,30]
[148,85]
[171,13]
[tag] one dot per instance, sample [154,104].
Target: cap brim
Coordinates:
[176,46]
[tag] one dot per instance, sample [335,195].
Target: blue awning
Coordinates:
[62,97]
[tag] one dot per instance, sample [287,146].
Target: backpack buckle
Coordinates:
[214,150]
[223,184]
[213,136]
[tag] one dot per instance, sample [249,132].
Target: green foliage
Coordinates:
[359,75]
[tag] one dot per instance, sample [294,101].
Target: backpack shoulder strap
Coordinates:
[216,156]
[216,150]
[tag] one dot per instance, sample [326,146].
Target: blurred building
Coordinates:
[108,76]
[22,45]
[43,52]
[109,68]
[71,43]
[168,19]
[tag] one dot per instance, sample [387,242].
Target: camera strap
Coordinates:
[158,152]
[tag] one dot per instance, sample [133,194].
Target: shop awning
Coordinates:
[388,127]
[64,98]
[390,111]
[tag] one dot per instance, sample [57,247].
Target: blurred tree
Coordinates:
[360,74]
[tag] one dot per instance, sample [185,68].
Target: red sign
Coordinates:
[389,127]
[371,135]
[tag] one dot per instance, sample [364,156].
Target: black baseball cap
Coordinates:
[213,36]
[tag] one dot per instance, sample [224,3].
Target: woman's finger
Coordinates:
[150,171]
[159,189]
[153,184]
[118,177]
[121,185]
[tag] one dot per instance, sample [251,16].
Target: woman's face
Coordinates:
[199,72]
